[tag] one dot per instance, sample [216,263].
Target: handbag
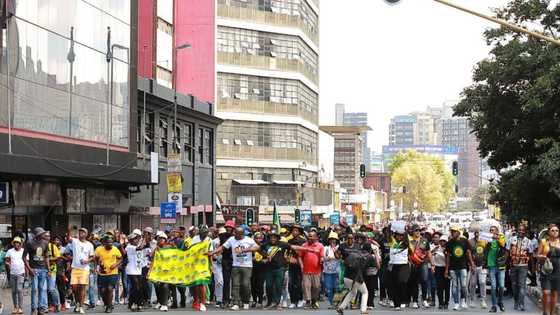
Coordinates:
[547,267]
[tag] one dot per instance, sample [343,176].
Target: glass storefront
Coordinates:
[56,61]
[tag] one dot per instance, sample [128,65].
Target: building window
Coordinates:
[164,137]
[201,145]
[149,136]
[188,143]
[208,141]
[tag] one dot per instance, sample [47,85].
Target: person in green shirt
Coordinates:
[495,258]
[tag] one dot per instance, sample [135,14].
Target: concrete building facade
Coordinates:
[401,130]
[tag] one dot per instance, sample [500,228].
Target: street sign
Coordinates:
[177,199]
[350,219]
[168,212]
[305,217]
[335,218]
[174,163]
[4,192]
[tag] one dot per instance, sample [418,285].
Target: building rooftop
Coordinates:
[344,129]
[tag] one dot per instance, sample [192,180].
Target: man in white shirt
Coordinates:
[82,255]
[242,248]
[134,270]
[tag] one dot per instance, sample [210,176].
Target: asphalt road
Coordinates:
[532,310]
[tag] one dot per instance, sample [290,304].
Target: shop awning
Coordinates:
[251,182]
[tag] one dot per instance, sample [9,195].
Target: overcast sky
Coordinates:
[390,60]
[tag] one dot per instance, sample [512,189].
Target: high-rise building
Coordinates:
[425,132]
[348,145]
[401,130]
[456,132]
[267,93]
[339,114]
[360,119]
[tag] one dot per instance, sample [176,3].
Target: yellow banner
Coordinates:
[174,183]
[183,267]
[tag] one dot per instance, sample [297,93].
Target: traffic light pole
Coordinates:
[501,22]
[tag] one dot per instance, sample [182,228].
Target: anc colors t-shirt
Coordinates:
[457,251]
[106,259]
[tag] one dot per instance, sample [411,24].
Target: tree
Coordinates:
[513,108]
[428,182]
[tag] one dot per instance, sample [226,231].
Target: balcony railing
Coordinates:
[232,151]
[270,18]
[265,107]
[267,63]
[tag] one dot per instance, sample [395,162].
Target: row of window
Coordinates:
[250,42]
[184,140]
[273,135]
[267,89]
[298,8]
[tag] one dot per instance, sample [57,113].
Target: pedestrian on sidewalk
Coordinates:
[14,261]
[549,254]
[37,265]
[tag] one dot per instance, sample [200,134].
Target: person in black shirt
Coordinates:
[227,262]
[384,288]
[294,272]
[37,265]
[258,273]
[459,257]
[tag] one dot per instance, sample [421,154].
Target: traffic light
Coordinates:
[249,216]
[362,170]
[455,168]
[456,188]
[297,216]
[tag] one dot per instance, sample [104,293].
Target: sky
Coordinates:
[389,60]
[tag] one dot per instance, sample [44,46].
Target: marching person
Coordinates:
[439,262]
[311,261]
[521,252]
[496,256]
[37,266]
[479,274]
[16,265]
[133,270]
[549,257]
[108,259]
[331,267]
[459,257]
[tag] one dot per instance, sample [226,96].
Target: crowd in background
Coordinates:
[274,267]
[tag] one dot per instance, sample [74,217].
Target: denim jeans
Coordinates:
[39,289]
[518,276]
[331,282]
[458,284]
[497,281]
[16,284]
[241,284]
[52,289]
[92,288]
[477,276]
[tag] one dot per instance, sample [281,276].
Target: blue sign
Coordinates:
[350,219]
[335,218]
[305,217]
[168,212]
[4,192]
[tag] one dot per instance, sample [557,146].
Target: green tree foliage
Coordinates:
[514,109]
[427,180]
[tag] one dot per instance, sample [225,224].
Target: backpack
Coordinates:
[358,260]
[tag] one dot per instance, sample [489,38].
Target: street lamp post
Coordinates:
[504,23]
[183,46]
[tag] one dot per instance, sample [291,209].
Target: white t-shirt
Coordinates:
[16,261]
[80,251]
[134,265]
[147,254]
[241,259]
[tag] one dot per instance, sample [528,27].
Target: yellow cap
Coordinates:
[455,228]
[333,235]
[283,230]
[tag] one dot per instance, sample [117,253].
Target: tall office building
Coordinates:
[456,132]
[425,129]
[360,119]
[401,130]
[267,93]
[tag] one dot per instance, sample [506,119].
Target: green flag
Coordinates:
[276,218]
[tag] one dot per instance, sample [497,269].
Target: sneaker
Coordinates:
[339,311]
[414,305]
[235,307]
[522,308]
[157,306]
[426,304]
[81,310]
[493,309]
[382,303]
[391,304]
[483,304]
[502,308]
[398,308]
[245,306]
[202,308]
[99,303]
[292,306]
[315,305]
[300,304]
[403,306]
[464,305]
[163,308]
[285,304]
[456,307]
